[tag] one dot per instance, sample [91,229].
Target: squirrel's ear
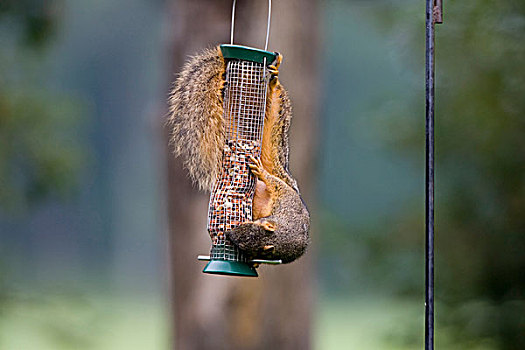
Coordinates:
[269,225]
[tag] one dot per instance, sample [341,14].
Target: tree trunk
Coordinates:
[274,310]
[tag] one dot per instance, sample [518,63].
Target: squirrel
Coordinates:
[281,221]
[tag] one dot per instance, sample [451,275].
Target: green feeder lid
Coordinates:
[230,268]
[247,53]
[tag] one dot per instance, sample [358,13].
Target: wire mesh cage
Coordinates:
[231,198]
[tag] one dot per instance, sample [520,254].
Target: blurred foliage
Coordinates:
[40,151]
[480,171]
[36,18]
[40,155]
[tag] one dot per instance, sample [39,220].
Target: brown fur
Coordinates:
[196,116]
[262,201]
[281,219]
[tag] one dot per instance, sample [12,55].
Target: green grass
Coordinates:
[368,323]
[376,323]
[84,323]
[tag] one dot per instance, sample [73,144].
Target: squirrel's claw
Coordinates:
[274,71]
[256,168]
[257,162]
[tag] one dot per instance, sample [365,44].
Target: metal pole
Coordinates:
[434,14]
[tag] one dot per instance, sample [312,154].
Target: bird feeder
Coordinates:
[230,205]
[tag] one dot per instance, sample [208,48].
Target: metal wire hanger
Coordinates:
[267,25]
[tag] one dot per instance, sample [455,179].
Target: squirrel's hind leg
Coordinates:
[274,71]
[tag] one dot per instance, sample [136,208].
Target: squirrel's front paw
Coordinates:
[257,168]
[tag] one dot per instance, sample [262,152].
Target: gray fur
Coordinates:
[290,239]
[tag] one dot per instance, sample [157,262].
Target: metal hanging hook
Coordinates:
[267,25]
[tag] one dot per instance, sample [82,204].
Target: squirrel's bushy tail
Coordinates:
[196,116]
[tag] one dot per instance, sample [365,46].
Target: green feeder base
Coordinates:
[230,268]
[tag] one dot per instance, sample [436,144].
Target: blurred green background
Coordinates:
[83,263]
